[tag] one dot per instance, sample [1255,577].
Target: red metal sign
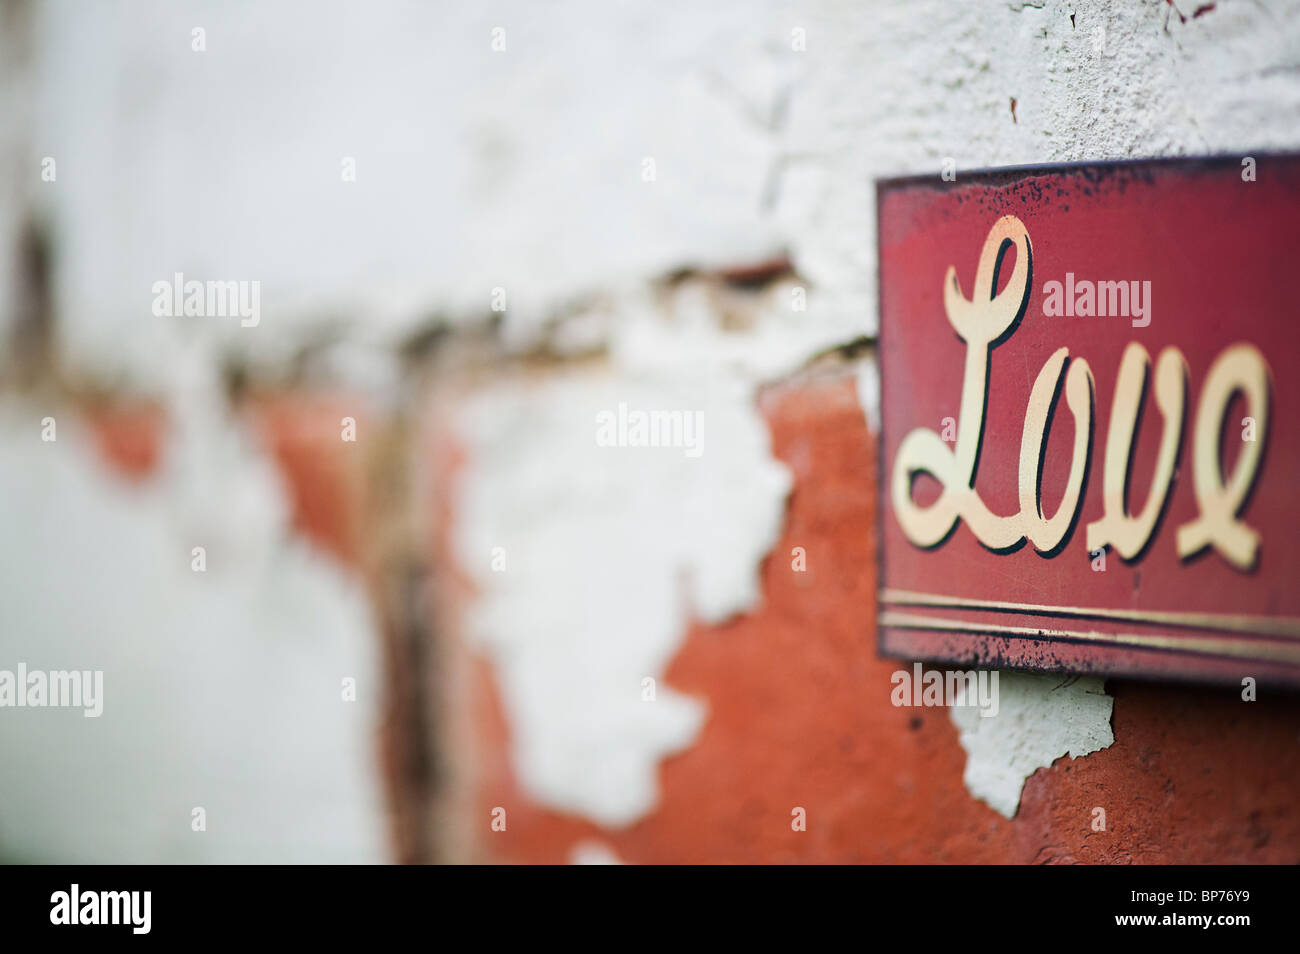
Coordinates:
[1090,398]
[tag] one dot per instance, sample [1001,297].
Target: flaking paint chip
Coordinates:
[1040,718]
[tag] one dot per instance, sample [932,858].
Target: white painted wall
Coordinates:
[523,168]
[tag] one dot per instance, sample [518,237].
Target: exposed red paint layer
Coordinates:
[128,437]
[324,475]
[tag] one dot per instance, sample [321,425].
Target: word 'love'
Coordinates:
[981,321]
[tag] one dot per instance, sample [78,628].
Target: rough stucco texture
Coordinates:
[799,716]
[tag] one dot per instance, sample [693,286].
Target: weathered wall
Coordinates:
[797,702]
[677,209]
[799,716]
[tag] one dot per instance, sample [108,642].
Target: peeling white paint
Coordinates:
[867,380]
[1040,718]
[702,325]
[593,852]
[222,689]
[608,553]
